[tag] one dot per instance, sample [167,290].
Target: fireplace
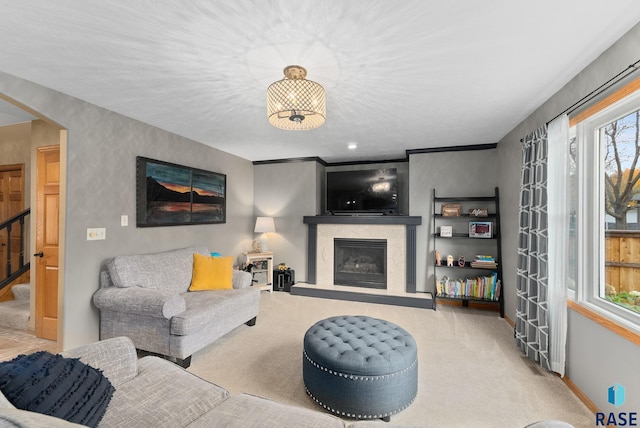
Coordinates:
[399,234]
[360,262]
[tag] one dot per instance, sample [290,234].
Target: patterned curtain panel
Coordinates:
[532,329]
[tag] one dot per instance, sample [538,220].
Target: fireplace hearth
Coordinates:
[360,262]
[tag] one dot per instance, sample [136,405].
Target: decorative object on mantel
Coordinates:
[451,210]
[450,260]
[295,103]
[478,212]
[264,225]
[461,261]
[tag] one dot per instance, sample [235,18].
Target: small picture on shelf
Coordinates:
[480,229]
[260,264]
[446,231]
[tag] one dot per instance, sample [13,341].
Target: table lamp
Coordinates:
[264,225]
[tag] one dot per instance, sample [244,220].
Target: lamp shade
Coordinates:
[295,103]
[264,225]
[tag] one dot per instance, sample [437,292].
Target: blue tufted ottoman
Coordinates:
[360,367]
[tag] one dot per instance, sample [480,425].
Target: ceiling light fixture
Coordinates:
[294,103]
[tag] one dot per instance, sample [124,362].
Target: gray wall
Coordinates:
[468,173]
[288,191]
[100,162]
[596,357]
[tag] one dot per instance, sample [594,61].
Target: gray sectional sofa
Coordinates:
[153,392]
[145,297]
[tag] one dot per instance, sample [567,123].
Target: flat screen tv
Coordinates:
[364,191]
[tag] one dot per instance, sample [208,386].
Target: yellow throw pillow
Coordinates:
[211,273]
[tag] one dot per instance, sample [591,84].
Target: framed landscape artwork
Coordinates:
[172,195]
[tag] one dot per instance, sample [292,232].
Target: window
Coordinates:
[604,261]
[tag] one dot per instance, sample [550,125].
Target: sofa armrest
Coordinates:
[241,279]
[116,357]
[141,301]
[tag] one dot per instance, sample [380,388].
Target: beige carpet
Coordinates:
[470,372]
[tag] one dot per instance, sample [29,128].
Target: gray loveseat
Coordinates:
[145,297]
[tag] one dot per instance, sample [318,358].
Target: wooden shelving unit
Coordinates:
[467,283]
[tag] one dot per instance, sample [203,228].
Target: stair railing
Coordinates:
[14,268]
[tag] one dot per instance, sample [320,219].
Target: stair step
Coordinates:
[21,291]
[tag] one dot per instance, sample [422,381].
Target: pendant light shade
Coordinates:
[295,103]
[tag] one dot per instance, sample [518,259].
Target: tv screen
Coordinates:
[367,191]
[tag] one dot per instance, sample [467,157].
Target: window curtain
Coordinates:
[558,215]
[541,294]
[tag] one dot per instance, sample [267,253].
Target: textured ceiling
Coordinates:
[399,75]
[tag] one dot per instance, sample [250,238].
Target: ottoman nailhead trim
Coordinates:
[350,415]
[358,377]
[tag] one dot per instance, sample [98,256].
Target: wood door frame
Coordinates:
[33,226]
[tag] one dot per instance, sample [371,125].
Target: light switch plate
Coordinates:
[124,220]
[96,233]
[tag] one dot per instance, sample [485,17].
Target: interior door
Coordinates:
[47,241]
[11,203]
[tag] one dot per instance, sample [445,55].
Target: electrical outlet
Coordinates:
[124,220]
[96,233]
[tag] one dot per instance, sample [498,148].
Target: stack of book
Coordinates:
[484,262]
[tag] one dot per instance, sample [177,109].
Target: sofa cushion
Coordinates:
[56,386]
[161,395]
[210,307]
[170,271]
[211,273]
[247,411]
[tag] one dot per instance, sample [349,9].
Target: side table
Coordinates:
[262,270]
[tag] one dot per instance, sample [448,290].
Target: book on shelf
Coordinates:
[481,287]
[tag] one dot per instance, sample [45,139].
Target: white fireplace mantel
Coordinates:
[399,231]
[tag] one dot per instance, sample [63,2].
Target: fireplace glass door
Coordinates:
[360,262]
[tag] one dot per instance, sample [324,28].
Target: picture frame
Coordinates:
[446,231]
[169,194]
[480,229]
